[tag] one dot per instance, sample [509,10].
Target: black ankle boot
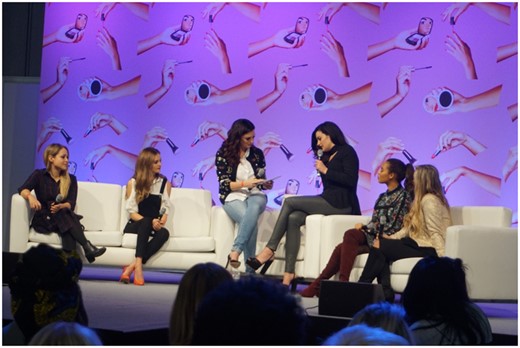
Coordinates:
[91,252]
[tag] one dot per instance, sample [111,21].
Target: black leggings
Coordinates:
[379,259]
[292,216]
[71,236]
[144,248]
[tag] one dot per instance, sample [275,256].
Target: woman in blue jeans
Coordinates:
[241,175]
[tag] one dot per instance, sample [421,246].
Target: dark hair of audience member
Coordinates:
[195,284]
[363,335]
[44,289]
[251,311]
[387,316]
[436,290]
[61,333]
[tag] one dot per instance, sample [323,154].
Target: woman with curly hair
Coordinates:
[241,176]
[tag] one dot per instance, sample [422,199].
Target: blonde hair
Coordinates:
[52,151]
[426,181]
[143,174]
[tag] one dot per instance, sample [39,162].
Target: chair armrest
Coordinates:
[222,229]
[21,216]
[491,257]
[311,257]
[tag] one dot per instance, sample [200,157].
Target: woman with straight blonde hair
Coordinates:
[423,233]
[56,193]
[148,205]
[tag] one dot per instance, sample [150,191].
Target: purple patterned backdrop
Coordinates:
[375,89]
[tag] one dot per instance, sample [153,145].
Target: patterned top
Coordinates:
[226,174]
[393,205]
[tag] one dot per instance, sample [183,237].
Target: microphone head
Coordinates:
[163,210]
[59,198]
[260,173]
[319,153]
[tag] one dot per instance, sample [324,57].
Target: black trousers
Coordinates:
[73,235]
[144,248]
[379,259]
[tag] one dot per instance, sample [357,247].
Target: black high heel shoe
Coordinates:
[234,263]
[255,264]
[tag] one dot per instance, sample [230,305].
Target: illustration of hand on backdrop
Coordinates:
[154,136]
[498,11]
[62,73]
[48,128]
[217,46]
[403,82]
[208,129]
[96,89]
[314,179]
[100,120]
[385,150]
[398,42]
[139,9]
[277,40]
[365,179]
[461,52]
[60,35]
[203,167]
[461,103]
[126,158]
[511,163]
[319,97]
[513,111]
[281,78]
[109,45]
[487,182]
[248,9]
[369,11]
[204,93]
[269,141]
[451,139]
[163,38]
[168,73]
[507,51]
[334,50]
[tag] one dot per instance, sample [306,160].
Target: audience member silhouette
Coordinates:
[362,335]
[44,289]
[438,307]
[386,316]
[195,284]
[63,333]
[250,311]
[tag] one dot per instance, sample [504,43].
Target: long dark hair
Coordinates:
[332,130]
[402,172]
[230,148]
[436,290]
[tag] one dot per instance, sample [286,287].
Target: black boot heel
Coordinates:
[91,252]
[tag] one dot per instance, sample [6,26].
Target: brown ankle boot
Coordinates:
[312,290]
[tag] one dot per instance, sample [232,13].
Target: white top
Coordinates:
[245,171]
[131,204]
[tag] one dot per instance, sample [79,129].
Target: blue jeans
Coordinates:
[245,214]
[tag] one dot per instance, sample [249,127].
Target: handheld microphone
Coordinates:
[161,213]
[382,223]
[319,154]
[59,198]
[260,174]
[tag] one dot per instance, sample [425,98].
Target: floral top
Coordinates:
[226,174]
[393,205]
